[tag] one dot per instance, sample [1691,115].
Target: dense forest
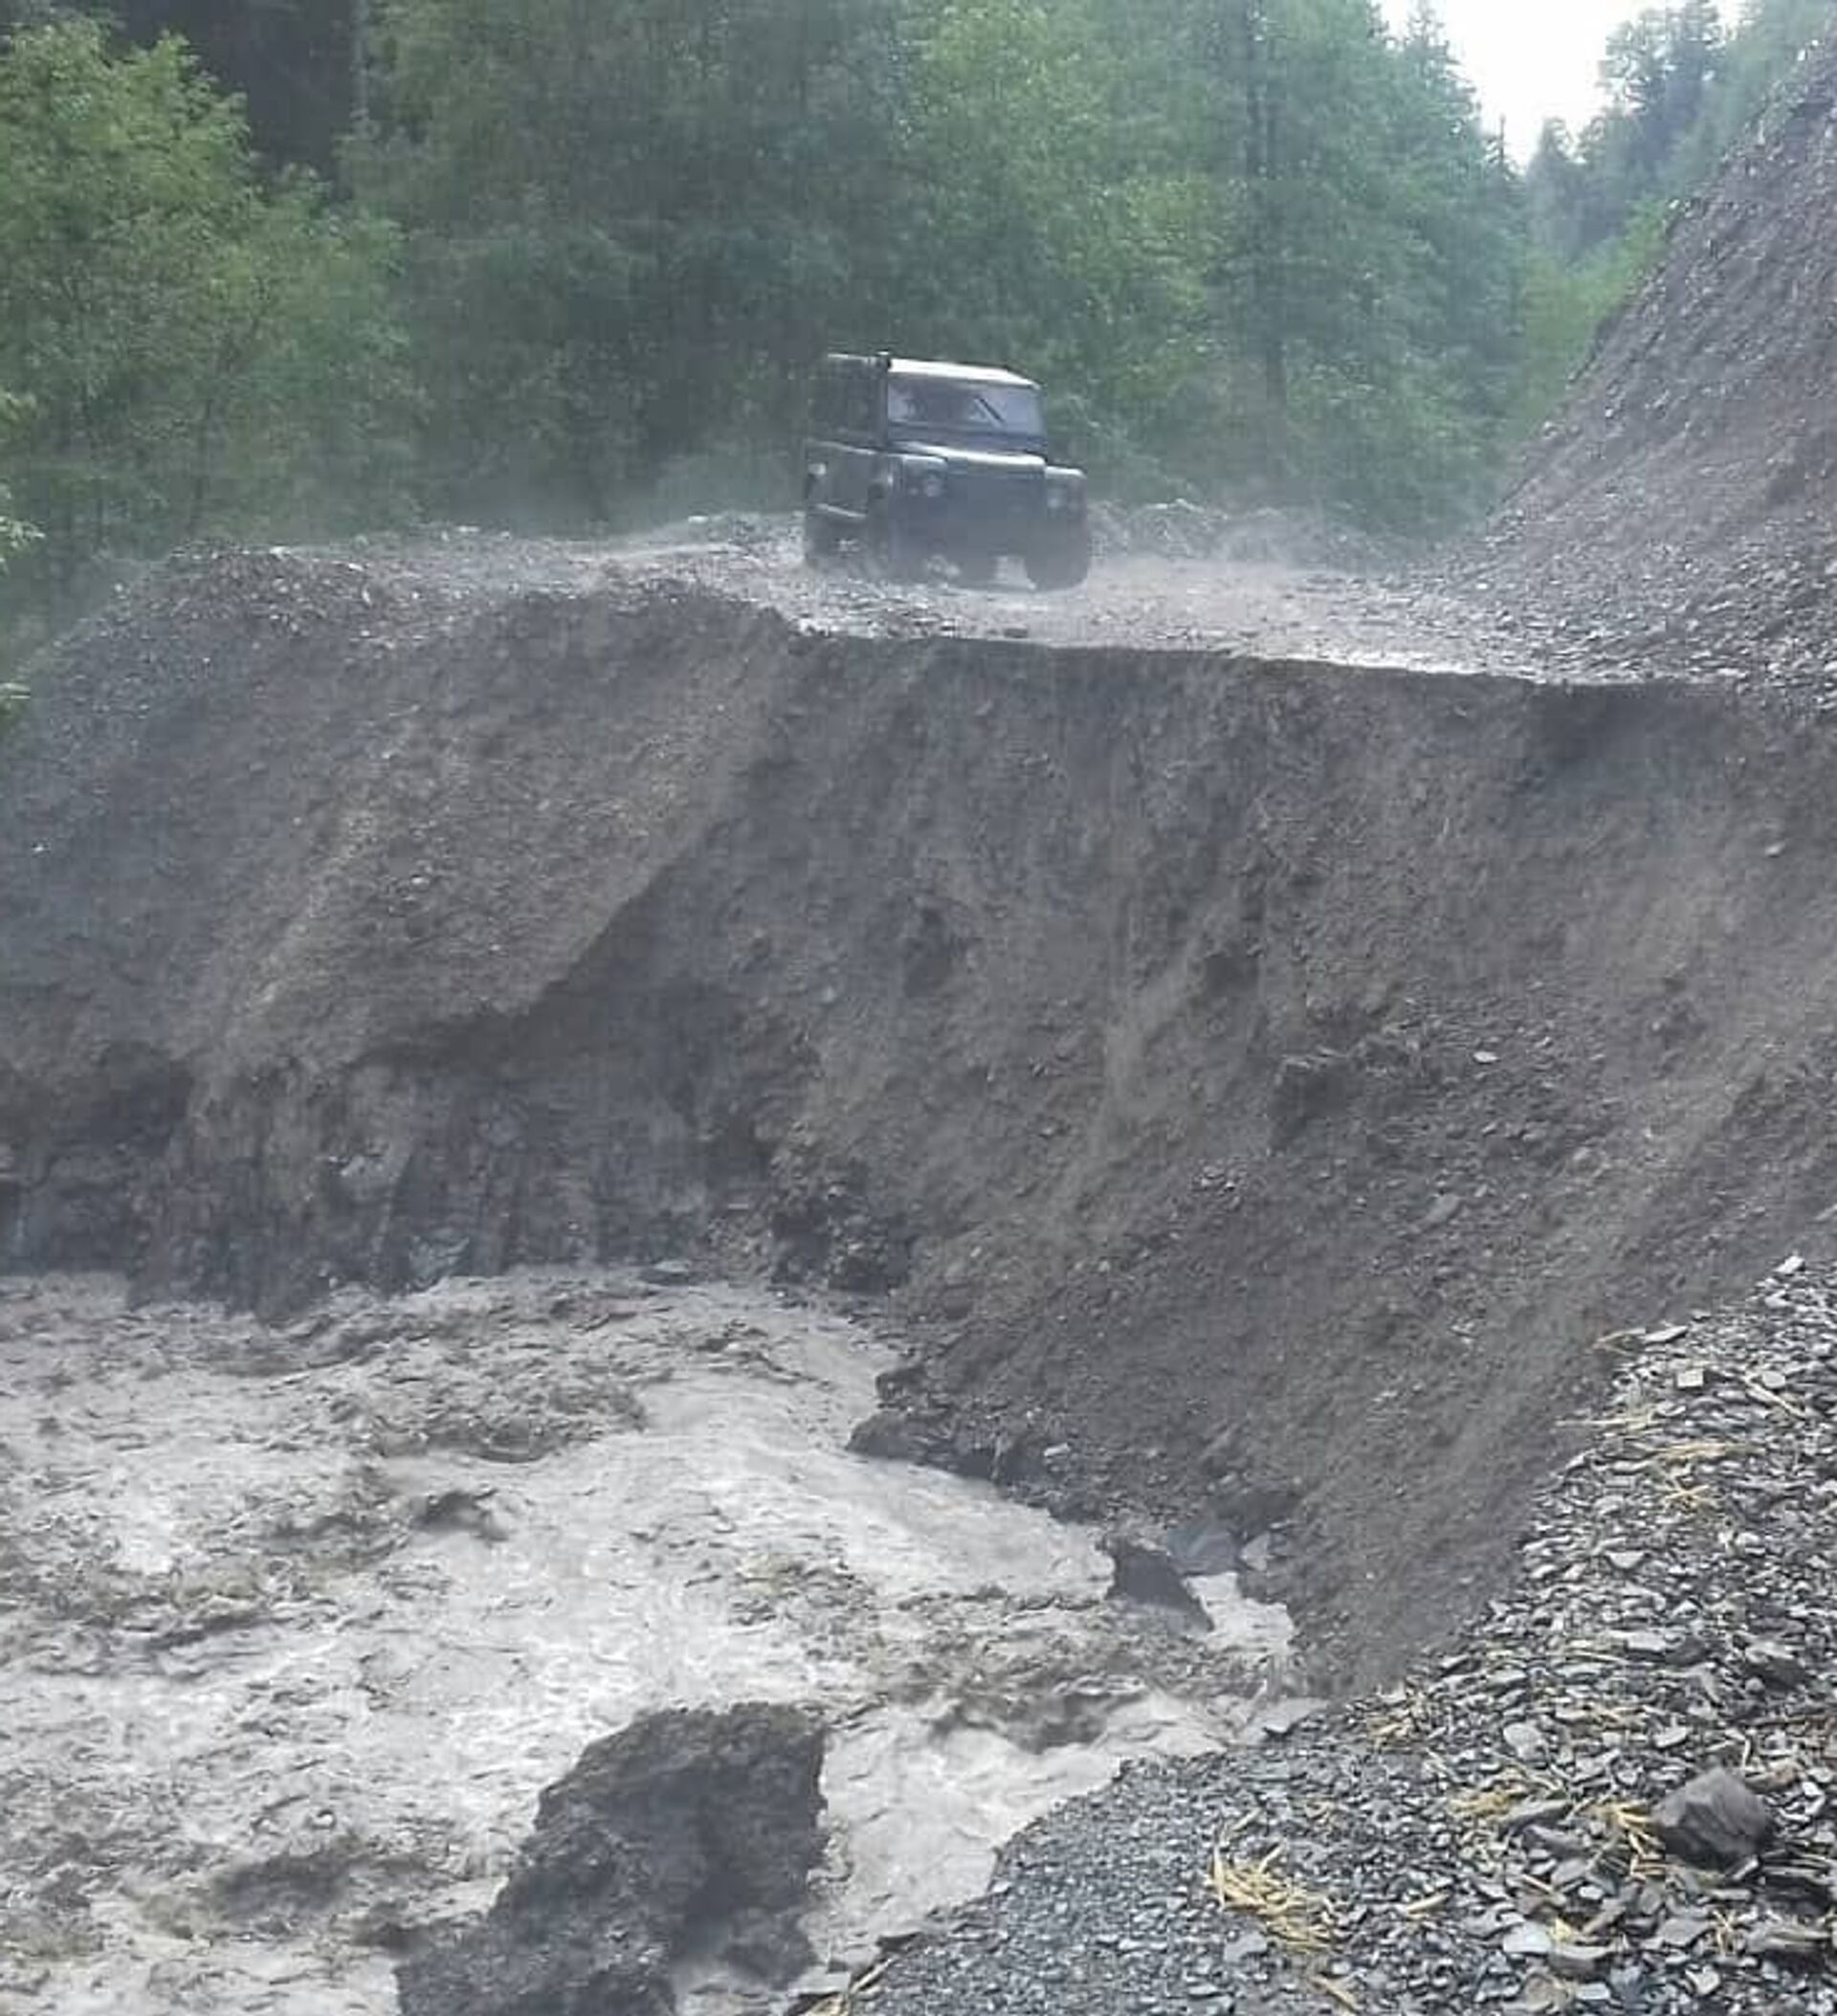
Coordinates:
[287,269]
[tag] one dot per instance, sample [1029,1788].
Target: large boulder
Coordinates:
[688,1829]
[1717,1821]
[1141,1572]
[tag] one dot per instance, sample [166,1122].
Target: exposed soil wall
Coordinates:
[1269,1080]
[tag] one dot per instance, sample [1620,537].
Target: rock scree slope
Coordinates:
[1681,511]
[1611,1792]
[1259,1081]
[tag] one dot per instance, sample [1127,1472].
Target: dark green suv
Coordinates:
[923,460]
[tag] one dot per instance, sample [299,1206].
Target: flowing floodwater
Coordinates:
[296,1625]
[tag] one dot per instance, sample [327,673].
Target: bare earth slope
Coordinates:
[1682,508]
[1269,1080]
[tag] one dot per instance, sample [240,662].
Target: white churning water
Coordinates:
[295,1627]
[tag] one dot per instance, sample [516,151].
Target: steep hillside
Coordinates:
[1265,1081]
[1681,510]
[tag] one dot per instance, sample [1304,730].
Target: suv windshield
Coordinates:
[952,406]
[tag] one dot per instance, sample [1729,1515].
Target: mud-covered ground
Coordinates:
[1516,601]
[294,1625]
[1280,596]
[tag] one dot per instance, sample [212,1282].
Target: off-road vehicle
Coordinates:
[915,460]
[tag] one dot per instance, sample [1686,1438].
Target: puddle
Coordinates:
[296,1626]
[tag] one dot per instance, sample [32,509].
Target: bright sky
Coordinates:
[1530,60]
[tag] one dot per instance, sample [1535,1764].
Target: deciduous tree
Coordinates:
[199,349]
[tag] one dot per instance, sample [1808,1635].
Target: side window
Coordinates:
[826,399]
[858,415]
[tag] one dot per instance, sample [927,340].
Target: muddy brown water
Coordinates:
[298,1625]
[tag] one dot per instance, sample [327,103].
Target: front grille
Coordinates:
[997,493]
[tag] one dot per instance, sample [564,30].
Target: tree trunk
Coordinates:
[1262,169]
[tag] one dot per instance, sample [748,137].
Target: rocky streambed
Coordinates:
[296,1625]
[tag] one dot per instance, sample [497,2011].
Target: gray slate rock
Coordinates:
[1789,1941]
[1145,1573]
[1203,1547]
[687,1829]
[1716,1819]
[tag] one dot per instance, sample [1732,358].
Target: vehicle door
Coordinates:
[820,437]
[859,436]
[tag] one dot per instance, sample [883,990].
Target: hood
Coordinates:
[1024,462]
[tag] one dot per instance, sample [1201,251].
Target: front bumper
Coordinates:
[982,517]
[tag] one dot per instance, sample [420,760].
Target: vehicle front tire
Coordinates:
[820,539]
[1062,561]
[891,555]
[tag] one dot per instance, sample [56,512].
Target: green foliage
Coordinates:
[297,64]
[1055,227]
[1251,244]
[199,352]
[631,224]
[1365,265]
[1567,302]
[1681,89]
[1258,249]
[15,533]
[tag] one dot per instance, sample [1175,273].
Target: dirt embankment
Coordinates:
[1268,1079]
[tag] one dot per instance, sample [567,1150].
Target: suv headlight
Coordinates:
[925,478]
[1064,494]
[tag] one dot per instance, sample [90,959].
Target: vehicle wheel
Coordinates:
[820,538]
[976,570]
[1061,562]
[891,555]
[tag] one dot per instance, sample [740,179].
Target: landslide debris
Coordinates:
[690,1830]
[1614,1790]
[1258,1080]
[1679,513]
